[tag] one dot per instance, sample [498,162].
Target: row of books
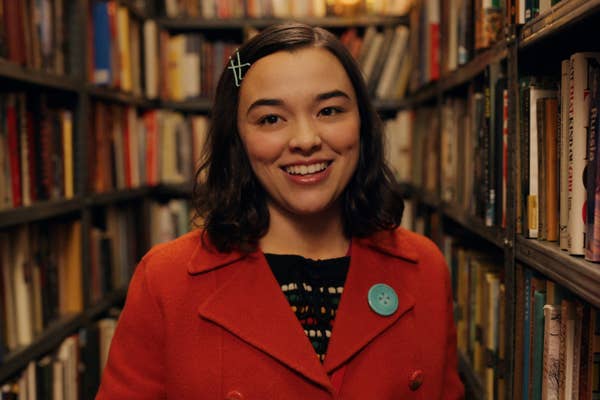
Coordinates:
[423,124]
[114,47]
[526,10]
[559,179]
[115,244]
[384,59]
[190,66]
[557,342]
[225,9]
[40,280]
[480,311]
[461,153]
[41,271]
[114,249]
[72,372]
[36,150]
[35,33]
[467,26]
[129,150]
[169,220]
[398,145]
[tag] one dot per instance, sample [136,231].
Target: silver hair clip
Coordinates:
[237,68]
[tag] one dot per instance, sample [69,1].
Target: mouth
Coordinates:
[308,169]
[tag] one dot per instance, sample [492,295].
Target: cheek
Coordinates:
[345,138]
[262,149]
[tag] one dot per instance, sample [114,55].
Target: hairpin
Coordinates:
[237,68]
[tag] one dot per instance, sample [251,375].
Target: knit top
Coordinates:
[313,288]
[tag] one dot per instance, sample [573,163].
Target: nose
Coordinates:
[306,137]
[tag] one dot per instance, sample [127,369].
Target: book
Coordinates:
[535,93]
[537,365]
[551,361]
[579,107]
[592,237]
[151,67]
[102,42]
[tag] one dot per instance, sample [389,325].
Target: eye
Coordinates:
[270,119]
[329,111]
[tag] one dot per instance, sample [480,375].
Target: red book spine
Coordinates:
[13,145]
[33,154]
[434,55]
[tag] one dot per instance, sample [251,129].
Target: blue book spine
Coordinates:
[538,345]
[102,39]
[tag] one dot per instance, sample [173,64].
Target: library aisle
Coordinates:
[491,120]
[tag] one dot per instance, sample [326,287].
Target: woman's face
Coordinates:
[299,121]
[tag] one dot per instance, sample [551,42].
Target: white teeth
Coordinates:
[305,169]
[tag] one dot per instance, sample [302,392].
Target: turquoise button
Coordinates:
[383,299]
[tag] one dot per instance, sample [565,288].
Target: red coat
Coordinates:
[202,325]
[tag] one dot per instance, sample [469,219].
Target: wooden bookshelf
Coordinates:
[467,72]
[492,234]
[117,96]
[473,383]
[194,106]
[564,14]
[48,341]
[579,276]
[18,73]
[55,333]
[191,24]
[40,211]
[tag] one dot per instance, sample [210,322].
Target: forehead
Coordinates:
[300,72]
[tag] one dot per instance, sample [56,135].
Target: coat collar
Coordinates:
[394,243]
[251,305]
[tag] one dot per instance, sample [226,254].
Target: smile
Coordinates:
[306,169]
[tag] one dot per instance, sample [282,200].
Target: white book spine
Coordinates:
[579,107]
[551,363]
[564,154]
[22,288]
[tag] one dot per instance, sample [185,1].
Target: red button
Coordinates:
[415,380]
[234,395]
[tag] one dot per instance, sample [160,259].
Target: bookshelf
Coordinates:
[518,51]
[534,48]
[85,205]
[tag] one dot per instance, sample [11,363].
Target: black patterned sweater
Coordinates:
[313,289]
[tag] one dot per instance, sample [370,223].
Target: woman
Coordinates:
[300,214]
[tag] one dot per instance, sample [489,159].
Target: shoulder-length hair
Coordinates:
[227,196]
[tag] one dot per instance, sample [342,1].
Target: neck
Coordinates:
[318,236]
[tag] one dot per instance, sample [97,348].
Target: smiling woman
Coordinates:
[299,284]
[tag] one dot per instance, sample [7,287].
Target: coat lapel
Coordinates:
[356,323]
[251,305]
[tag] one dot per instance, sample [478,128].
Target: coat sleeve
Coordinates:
[453,387]
[135,366]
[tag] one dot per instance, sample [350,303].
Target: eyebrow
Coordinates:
[279,102]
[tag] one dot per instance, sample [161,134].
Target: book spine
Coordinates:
[538,345]
[551,123]
[13,147]
[527,319]
[578,124]
[551,362]
[592,242]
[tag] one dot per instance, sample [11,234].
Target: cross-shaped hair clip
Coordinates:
[237,68]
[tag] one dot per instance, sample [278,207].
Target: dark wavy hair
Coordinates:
[228,198]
